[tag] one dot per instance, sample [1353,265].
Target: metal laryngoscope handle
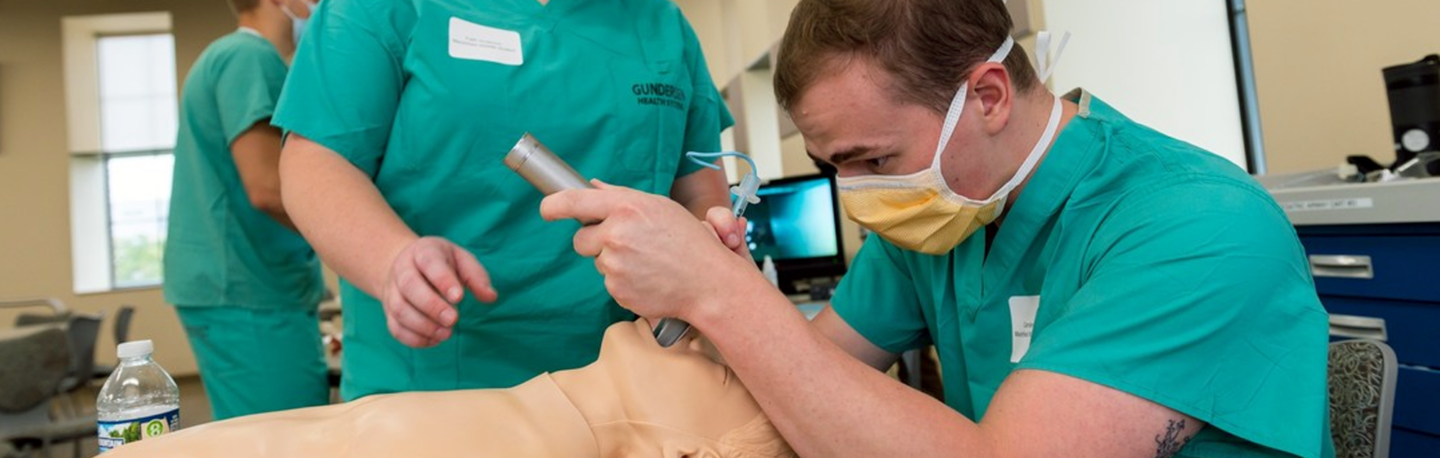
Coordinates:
[543,169]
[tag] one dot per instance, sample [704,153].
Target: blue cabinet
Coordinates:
[1383,281]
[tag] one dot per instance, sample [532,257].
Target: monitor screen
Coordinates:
[797,224]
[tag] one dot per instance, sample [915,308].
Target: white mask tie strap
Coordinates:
[1045,61]
[957,104]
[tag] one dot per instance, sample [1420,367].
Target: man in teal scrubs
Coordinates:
[245,284]
[400,114]
[1093,287]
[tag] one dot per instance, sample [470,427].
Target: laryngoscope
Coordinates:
[543,169]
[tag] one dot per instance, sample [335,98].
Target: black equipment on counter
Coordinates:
[1414,92]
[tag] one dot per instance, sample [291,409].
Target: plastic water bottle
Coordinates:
[138,401]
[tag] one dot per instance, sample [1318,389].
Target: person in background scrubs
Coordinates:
[399,116]
[244,282]
[1094,288]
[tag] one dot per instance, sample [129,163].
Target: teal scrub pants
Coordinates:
[256,360]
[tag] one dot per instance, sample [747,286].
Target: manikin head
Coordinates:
[642,399]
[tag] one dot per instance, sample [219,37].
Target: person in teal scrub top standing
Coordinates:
[1094,288]
[245,284]
[400,113]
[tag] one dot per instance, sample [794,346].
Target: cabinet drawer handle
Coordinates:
[1360,327]
[1341,266]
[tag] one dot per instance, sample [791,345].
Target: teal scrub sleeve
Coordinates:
[346,79]
[877,298]
[708,115]
[248,85]
[1196,297]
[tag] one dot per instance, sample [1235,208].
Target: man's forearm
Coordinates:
[825,402]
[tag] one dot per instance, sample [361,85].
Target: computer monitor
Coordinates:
[797,223]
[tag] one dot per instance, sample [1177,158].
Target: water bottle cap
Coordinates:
[135,349]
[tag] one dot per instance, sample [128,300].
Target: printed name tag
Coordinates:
[473,41]
[1022,324]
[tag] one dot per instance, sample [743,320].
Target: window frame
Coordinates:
[92,256]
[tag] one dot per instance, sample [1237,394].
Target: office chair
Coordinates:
[122,323]
[82,331]
[121,331]
[1362,397]
[37,359]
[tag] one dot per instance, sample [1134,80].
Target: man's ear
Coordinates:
[992,89]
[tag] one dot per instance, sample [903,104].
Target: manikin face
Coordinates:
[850,120]
[645,400]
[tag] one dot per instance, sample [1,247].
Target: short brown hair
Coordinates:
[241,6]
[928,46]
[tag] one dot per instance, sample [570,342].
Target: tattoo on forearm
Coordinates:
[1166,446]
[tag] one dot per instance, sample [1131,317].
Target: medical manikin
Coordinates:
[637,399]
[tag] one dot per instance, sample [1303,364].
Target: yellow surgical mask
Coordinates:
[919,211]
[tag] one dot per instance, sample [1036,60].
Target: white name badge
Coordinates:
[473,41]
[1022,324]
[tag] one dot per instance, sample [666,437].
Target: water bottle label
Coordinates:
[116,433]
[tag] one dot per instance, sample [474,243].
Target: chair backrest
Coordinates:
[30,319]
[1362,397]
[36,359]
[82,330]
[121,330]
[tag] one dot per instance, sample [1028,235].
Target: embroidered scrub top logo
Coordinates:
[659,94]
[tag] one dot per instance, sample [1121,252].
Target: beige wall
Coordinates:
[1317,66]
[704,17]
[34,163]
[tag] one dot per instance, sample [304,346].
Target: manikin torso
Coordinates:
[637,399]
